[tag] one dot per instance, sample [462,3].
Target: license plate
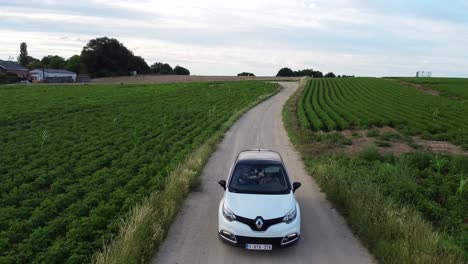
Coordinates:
[259,246]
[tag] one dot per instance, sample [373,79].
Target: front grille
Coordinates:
[266,223]
[242,240]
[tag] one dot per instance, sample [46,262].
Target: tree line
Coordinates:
[287,72]
[101,57]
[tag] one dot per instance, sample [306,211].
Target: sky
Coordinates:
[219,37]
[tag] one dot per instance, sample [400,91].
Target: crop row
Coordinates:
[336,104]
[74,160]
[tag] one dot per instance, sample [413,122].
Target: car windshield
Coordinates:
[259,178]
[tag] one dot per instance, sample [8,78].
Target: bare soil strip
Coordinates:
[419,87]
[361,141]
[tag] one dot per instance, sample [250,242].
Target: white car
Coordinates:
[258,210]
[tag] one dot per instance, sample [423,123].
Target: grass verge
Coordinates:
[393,232]
[144,228]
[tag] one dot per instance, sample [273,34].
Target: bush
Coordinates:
[7,77]
[373,133]
[370,154]
[161,68]
[245,74]
[179,70]
[390,136]
[285,72]
[383,143]
[330,75]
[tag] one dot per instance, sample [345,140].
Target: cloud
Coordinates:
[227,37]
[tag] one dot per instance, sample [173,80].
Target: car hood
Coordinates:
[253,205]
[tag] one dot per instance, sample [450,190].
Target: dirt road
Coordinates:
[193,236]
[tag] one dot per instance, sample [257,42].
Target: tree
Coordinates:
[57,62]
[75,65]
[317,74]
[161,68]
[285,72]
[33,63]
[245,74]
[23,57]
[106,57]
[330,75]
[45,61]
[181,70]
[139,65]
[305,72]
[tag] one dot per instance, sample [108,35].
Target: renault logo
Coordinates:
[259,223]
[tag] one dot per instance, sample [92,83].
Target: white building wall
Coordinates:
[38,75]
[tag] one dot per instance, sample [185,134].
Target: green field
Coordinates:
[450,87]
[75,159]
[406,209]
[336,104]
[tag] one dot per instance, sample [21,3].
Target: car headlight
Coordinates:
[228,214]
[289,217]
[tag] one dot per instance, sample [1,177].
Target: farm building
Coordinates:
[14,67]
[53,75]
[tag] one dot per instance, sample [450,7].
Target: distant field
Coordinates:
[336,104]
[408,207]
[451,87]
[75,159]
[184,78]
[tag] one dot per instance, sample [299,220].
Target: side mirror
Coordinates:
[222,183]
[296,186]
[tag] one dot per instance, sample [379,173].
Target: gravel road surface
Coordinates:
[193,236]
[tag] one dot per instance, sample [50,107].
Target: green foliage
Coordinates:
[462,186]
[56,62]
[285,72]
[449,87]
[8,77]
[402,208]
[373,133]
[23,57]
[340,103]
[75,160]
[108,57]
[139,65]
[370,154]
[390,204]
[304,72]
[161,68]
[33,63]
[75,65]
[179,70]
[333,138]
[245,74]
[330,75]
[383,143]
[439,164]
[390,136]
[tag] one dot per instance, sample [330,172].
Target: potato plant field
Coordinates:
[336,104]
[407,207]
[75,159]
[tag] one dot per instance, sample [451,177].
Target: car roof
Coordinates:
[259,154]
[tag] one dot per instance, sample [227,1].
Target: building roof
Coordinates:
[12,66]
[54,71]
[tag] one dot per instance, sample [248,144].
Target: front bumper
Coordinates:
[242,241]
[240,234]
